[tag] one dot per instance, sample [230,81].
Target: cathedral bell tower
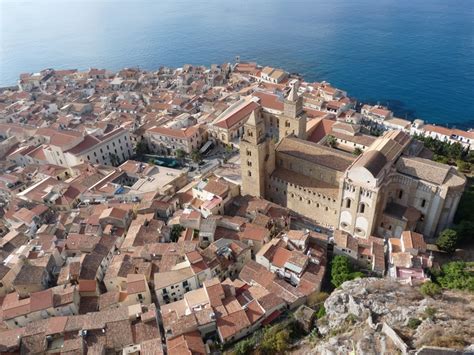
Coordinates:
[293,119]
[256,157]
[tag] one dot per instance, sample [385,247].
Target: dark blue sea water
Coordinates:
[415,55]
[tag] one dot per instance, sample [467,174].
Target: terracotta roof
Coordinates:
[87,143]
[315,153]
[232,324]
[373,161]
[189,343]
[136,283]
[254,232]
[281,256]
[423,169]
[41,300]
[270,101]
[237,115]
[412,240]
[184,133]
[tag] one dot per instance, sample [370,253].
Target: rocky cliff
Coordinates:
[378,316]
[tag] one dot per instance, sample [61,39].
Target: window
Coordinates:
[249,173]
[348,203]
[362,208]
[249,163]
[423,203]
[400,194]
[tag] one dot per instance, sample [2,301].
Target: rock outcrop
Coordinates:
[379,316]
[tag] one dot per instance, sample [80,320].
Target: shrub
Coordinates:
[341,271]
[413,323]
[463,166]
[244,347]
[351,318]
[430,289]
[450,341]
[430,312]
[457,275]
[321,312]
[274,341]
[447,240]
[331,141]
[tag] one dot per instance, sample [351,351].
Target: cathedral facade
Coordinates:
[385,190]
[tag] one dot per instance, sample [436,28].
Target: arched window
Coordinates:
[348,203]
[362,208]
[400,194]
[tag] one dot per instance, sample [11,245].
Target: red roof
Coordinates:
[237,116]
[184,133]
[270,101]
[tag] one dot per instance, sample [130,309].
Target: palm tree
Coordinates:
[196,156]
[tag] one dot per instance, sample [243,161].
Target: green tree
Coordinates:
[196,156]
[274,341]
[342,271]
[463,166]
[331,141]
[180,154]
[114,159]
[457,275]
[465,230]
[244,347]
[431,289]
[455,151]
[440,159]
[448,240]
[357,151]
[141,148]
[176,232]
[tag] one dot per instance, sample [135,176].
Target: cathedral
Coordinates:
[387,189]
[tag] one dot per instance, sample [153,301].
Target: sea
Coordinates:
[414,56]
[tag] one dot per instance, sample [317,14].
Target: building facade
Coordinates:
[385,190]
